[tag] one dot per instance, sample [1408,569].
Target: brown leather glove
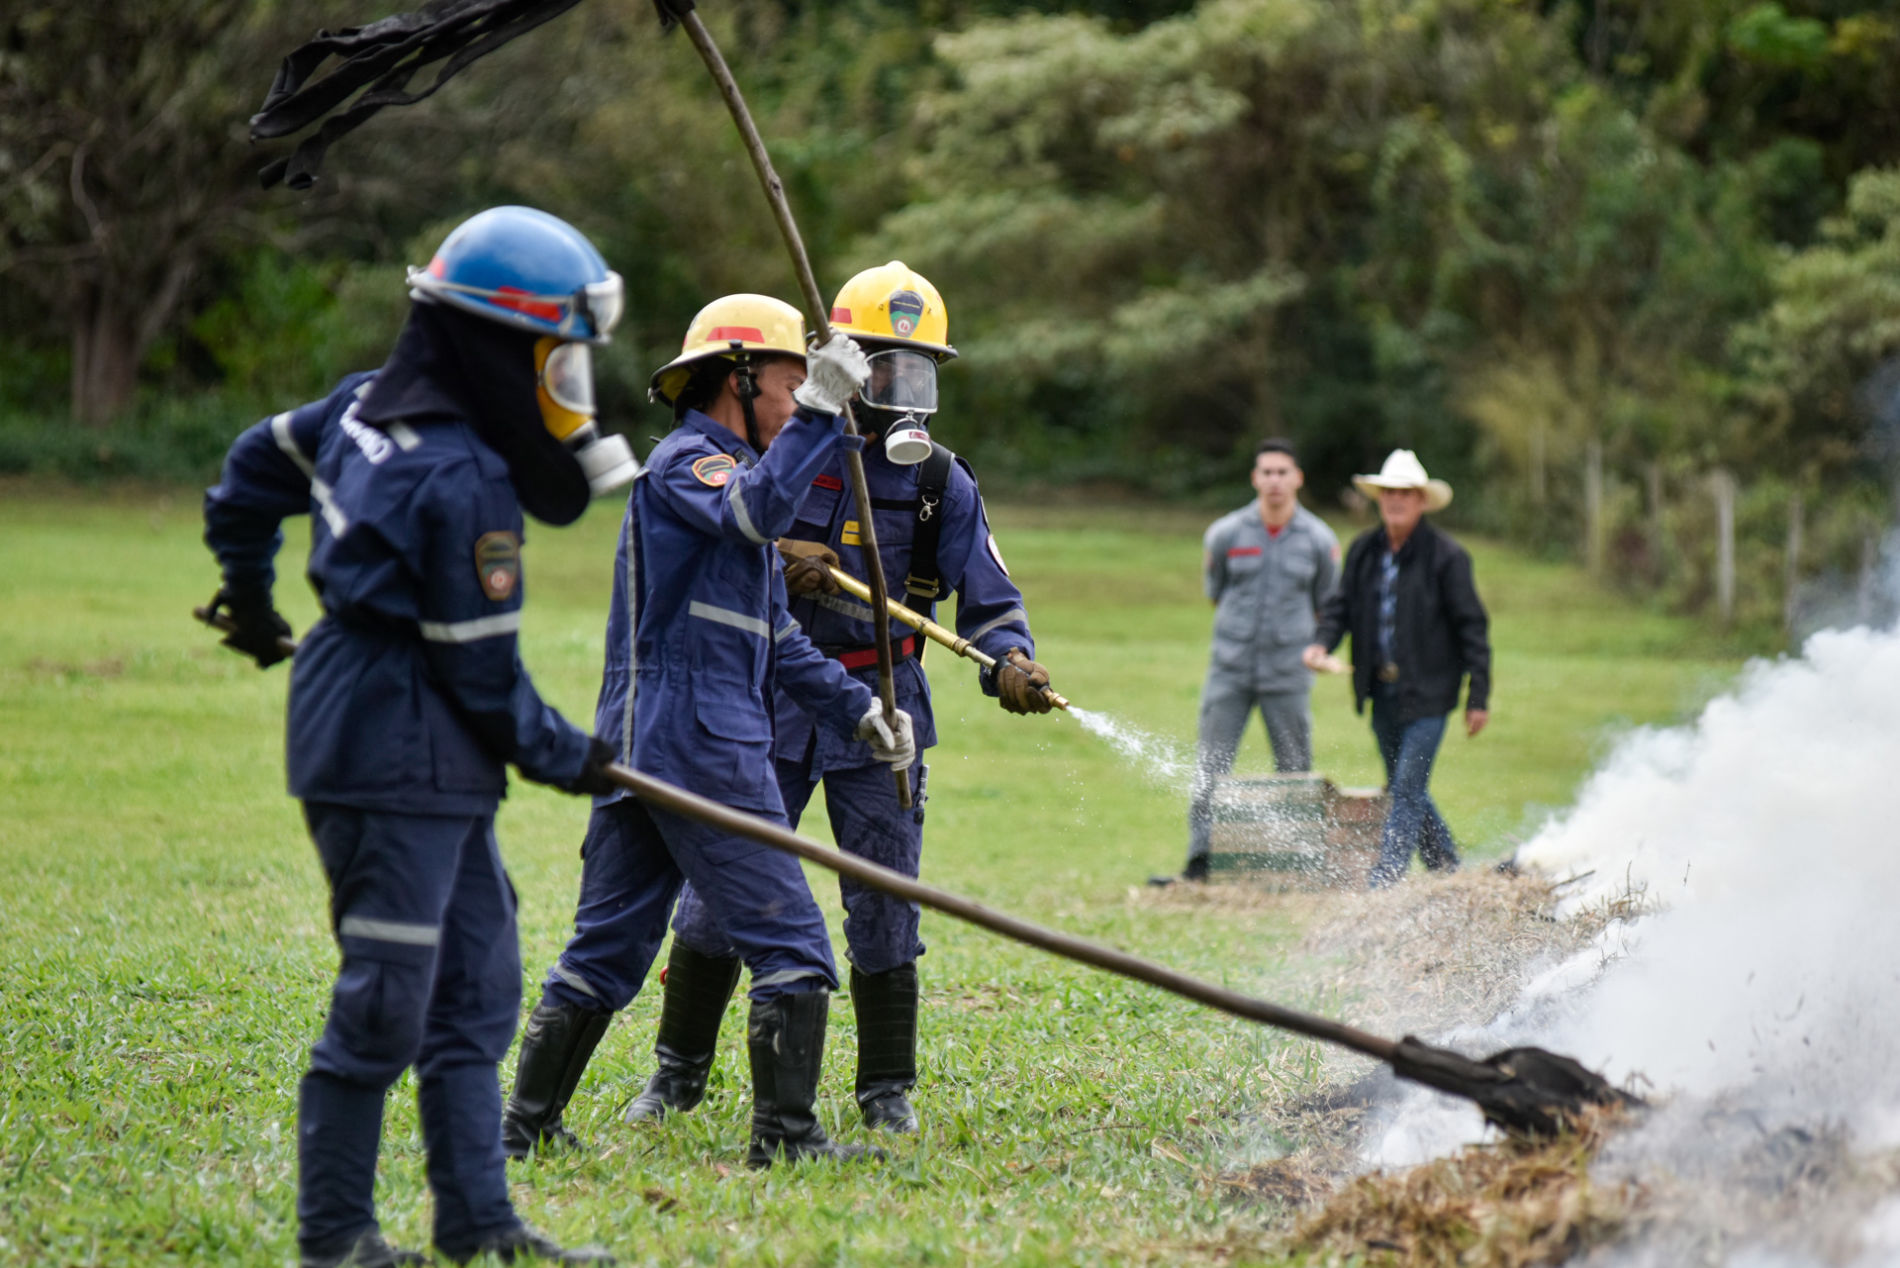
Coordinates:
[1019,684]
[805,564]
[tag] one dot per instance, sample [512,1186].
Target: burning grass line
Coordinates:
[1511,1204]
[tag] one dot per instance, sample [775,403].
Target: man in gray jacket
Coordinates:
[1268,567]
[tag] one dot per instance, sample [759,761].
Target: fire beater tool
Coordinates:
[1528,1091]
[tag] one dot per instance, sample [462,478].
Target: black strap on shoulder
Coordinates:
[933,477]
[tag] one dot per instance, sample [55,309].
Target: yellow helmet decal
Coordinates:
[894,305]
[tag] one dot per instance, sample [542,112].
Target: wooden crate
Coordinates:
[1298,831]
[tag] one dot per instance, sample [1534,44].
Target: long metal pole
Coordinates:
[819,317]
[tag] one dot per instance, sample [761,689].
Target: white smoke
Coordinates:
[1761,1000]
[1767,832]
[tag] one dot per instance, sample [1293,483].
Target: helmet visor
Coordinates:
[568,377]
[605,301]
[901,380]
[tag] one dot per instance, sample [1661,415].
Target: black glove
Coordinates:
[259,632]
[593,781]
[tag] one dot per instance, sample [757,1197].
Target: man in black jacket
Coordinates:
[1418,629]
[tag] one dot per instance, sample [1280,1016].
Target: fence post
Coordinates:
[1722,484]
[1791,572]
[1657,556]
[1869,562]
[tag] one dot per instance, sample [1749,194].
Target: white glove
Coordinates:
[896,747]
[834,371]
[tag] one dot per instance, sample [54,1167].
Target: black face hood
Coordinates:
[452,364]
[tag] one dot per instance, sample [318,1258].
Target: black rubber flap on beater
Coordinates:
[1526,1091]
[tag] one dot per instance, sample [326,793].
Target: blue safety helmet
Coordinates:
[524,268]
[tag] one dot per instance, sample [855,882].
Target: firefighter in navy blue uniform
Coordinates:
[408,698]
[932,533]
[698,640]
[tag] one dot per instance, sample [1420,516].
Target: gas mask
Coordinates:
[564,389]
[902,394]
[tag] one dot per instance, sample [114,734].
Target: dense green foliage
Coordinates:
[1580,255]
[169,953]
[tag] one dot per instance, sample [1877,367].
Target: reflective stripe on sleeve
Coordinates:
[743,517]
[785,631]
[1013,616]
[332,513]
[726,616]
[404,435]
[470,631]
[411,935]
[280,432]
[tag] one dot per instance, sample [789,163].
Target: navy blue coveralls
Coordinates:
[697,639]
[860,796]
[406,700]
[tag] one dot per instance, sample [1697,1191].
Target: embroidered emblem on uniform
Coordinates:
[850,535]
[714,470]
[907,309]
[498,563]
[996,553]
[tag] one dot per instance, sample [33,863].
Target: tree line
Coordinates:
[1592,259]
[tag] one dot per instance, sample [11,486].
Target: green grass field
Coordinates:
[168,957]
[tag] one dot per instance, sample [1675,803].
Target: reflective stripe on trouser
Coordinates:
[633,863]
[430,977]
[880,931]
[1225,709]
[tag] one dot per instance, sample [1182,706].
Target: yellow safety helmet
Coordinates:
[731,327]
[895,305]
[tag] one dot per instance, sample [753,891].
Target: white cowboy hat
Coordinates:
[1403,470]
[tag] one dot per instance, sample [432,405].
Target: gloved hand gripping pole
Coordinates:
[818,316]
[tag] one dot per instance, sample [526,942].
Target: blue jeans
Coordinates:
[1413,822]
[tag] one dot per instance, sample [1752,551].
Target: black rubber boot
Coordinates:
[367,1251]
[1196,871]
[886,1005]
[555,1047]
[524,1244]
[785,1038]
[698,988]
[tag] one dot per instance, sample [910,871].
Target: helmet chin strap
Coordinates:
[747,390]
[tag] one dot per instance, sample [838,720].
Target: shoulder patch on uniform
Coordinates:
[996,553]
[1335,551]
[498,564]
[714,469]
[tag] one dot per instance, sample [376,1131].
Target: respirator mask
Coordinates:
[564,389]
[902,390]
